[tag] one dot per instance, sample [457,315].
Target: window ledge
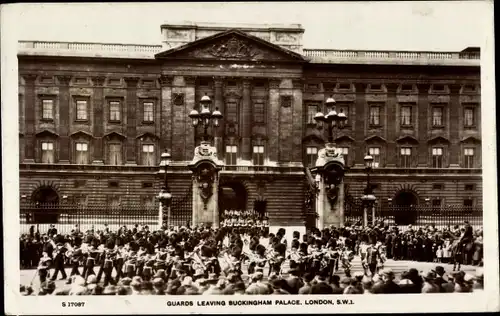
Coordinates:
[47,120]
[82,121]
[437,126]
[407,126]
[375,125]
[114,121]
[148,122]
[470,127]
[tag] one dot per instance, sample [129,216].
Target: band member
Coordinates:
[119,258]
[131,259]
[346,256]
[58,256]
[107,257]
[372,258]
[43,267]
[75,255]
[92,258]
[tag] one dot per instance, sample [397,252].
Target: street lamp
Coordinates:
[368,198]
[205,117]
[165,197]
[332,119]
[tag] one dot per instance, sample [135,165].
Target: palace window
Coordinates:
[231,154]
[115,154]
[311,156]
[437,116]
[148,155]
[374,115]
[81,110]
[258,155]
[469,119]
[47,109]
[406,115]
[405,157]
[468,203]
[82,153]
[114,111]
[437,157]
[311,112]
[232,112]
[469,157]
[345,153]
[375,153]
[148,109]
[258,112]
[47,152]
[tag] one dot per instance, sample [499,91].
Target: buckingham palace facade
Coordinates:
[94,118]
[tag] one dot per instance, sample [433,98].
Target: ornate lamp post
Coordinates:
[333,121]
[205,117]
[368,198]
[165,197]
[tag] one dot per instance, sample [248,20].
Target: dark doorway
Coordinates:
[46,202]
[232,196]
[405,212]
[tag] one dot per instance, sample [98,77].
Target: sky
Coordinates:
[437,26]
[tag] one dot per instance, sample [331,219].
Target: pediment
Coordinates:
[471,139]
[81,134]
[344,138]
[232,45]
[115,135]
[438,140]
[148,135]
[46,133]
[375,139]
[407,139]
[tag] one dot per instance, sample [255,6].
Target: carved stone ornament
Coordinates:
[178,98]
[332,193]
[165,80]
[64,79]
[328,154]
[232,48]
[98,80]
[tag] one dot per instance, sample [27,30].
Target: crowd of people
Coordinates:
[201,260]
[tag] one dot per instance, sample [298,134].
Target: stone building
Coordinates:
[95,117]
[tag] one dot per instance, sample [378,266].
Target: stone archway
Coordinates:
[405,204]
[46,200]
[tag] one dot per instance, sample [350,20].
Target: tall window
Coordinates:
[82,153]
[345,153]
[437,116]
[375,115]
[48,109]
[469,117]
[405,157]
[344,108]
[469,157]
[81,110]
[232,112]
[148,112]
[406,115]
[231,154]
[258,155]
[437,157]
[148,155]
[375,153]
[47,152]
[114,111]
[311,112]
[115,154]
[311,156]
[258,112]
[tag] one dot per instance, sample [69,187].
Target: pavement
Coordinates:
[399,266]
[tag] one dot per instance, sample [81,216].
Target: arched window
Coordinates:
[47,147]
[148,149]
[114,149]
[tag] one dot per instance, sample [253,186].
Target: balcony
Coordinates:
[393,57]
[328,56]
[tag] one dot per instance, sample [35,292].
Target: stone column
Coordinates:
[219,103]
[64,119]
[190,103]
[422,124]
[166,118]
[360,123]
[392,124]
[131,120]
[98,120]
[246,124]
[273,119]
[298,118]
[454,123]
[29,118]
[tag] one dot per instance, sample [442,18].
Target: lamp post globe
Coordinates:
[368,161]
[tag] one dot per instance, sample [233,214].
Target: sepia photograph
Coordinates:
[209,155]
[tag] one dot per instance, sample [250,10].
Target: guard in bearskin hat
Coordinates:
[92,258]
[75,256]
[131,260]
[119,259]
[58,258]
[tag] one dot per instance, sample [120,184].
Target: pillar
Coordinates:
[273,119]
[131,120]
[246,124]
[98,119]
[392,124]
[64,118]
[219,103]
[29,123]
[454,122]
[166,118]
